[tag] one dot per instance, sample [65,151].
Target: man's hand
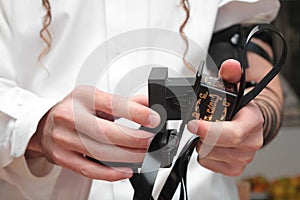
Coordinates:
[228,147]
[83,124]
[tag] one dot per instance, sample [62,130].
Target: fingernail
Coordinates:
[154,119]
[193,126]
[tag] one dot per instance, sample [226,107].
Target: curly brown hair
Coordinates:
[186,7]
[47,38]
[44,32]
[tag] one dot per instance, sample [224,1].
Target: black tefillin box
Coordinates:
[200,97]
[215,98]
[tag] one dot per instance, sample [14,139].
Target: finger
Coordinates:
[254,141]
[221,134]
[85,167]
[95,100]
[111,153]
[230,71]
[228,133]
[221,167]
[85,145]
[210,133]
[118,106]
[140,99]
[102,130]
[232,156]
[108,132]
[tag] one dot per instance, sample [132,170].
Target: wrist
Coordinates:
[271,110]
[34,147]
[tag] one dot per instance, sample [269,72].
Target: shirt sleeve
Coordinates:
[20,109]
[246,12]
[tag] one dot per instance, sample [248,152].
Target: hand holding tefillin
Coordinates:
[202,97]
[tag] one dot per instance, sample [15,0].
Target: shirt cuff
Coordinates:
[27,122]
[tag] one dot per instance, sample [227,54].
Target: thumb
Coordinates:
[230,71]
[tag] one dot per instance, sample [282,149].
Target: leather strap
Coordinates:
[259,51]
[178,173]
[144,181]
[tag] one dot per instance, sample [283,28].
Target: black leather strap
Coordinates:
[259,51]
[178,173]
[230,43]
[245,99]
[144,181]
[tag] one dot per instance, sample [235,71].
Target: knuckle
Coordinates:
[134,112]
[139,142]
[82,93]
[245,160]
[79,89]
[141,115]
[109,177]
[57,136]
[57,158]
[54,135]
[248,160]
[61,114]
[237,137]
[85,171]
[203,131]
[106,133]
[88,171]
[234,171]
[103,130]
[260,144]
[237,171]
[256,146]
[107,102]
[256,143]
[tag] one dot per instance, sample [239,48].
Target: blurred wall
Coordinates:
[280,158]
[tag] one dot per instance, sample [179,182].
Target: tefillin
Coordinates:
[200,97]
[215,98]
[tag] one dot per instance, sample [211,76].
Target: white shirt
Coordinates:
[28,90]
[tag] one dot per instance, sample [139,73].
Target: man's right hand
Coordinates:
[83,124]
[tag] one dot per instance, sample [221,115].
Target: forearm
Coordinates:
[270,100]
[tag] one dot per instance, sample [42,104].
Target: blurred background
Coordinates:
[275,171]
